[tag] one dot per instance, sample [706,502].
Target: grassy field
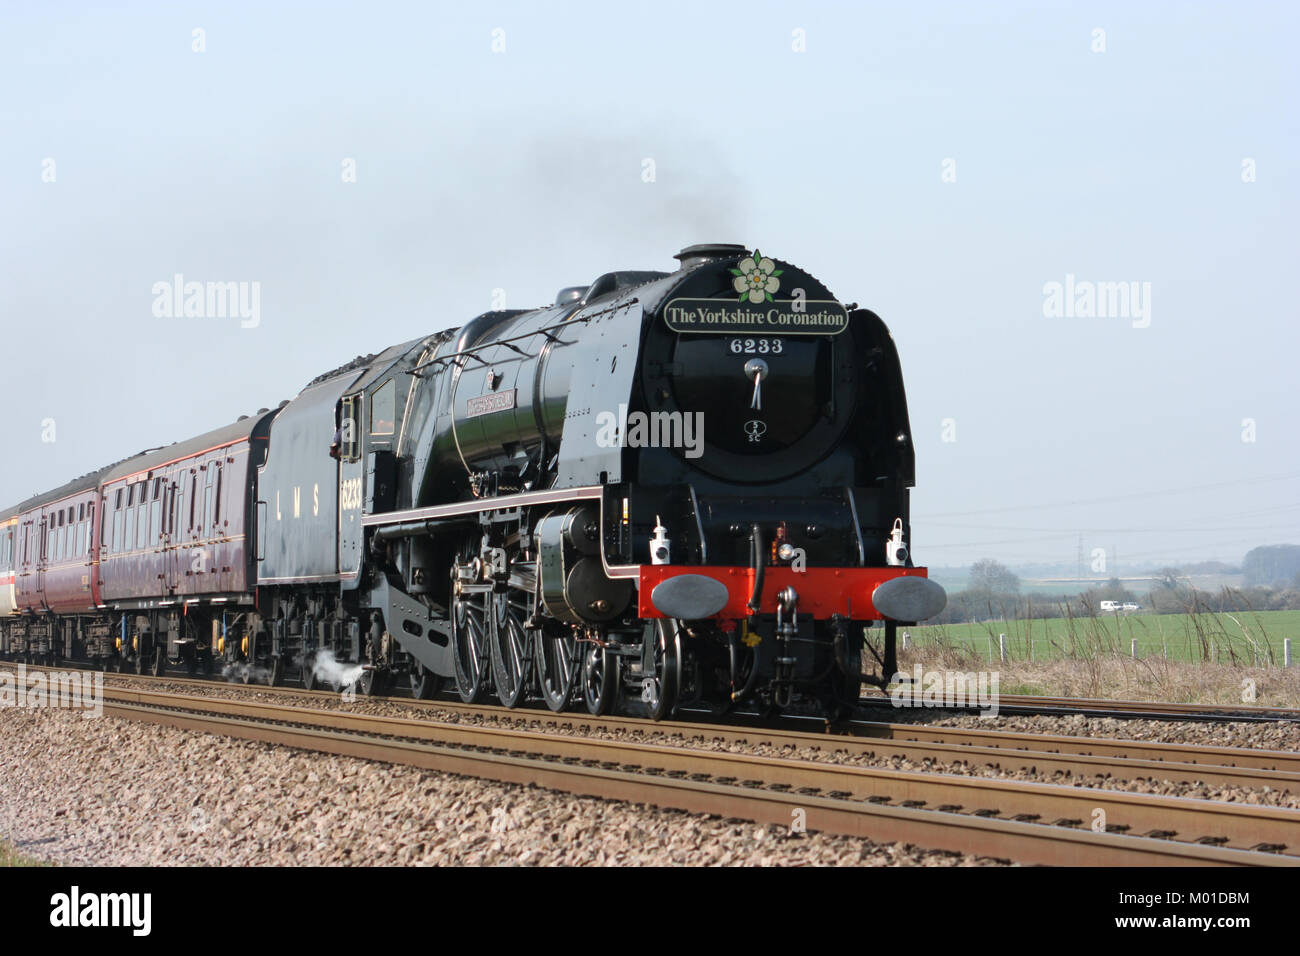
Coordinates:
[1250,638]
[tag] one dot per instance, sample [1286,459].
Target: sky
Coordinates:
[385,170]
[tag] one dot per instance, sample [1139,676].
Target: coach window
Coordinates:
[142,519]
[116,540]
[155,509]
[128,539]
[141,515]
[383,409]
[205,517]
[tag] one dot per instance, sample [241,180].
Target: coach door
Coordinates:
[171,539]
[25,564]
[42,552]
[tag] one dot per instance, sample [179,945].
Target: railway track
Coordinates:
[1087,757]
[1008,704]
[1032,705]
[1029,822]
[1018,820]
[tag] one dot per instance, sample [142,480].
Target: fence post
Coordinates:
[1286,652]
[1002,647]
[1133,648]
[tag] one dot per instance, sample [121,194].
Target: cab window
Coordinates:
[383,409]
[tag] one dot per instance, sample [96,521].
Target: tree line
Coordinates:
[993,592]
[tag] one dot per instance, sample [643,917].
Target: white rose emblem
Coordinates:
[756,278]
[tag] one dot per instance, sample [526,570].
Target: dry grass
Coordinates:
[11,857]
[1120,677]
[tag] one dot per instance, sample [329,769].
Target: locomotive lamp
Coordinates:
[660,547]
[895,547]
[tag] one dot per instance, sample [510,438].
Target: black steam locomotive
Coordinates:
[666,489]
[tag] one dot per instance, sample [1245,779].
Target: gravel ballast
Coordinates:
[113,792]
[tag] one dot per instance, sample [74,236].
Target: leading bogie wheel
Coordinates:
[600,679]
[661,688]
[558,663]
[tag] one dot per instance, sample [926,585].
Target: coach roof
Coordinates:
[144,461]
[241,430]
[86,482]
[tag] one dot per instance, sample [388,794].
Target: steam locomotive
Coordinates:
[665,490]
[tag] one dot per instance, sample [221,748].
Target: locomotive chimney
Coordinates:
[703,252]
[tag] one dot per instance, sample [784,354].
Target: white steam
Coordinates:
[331,671]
